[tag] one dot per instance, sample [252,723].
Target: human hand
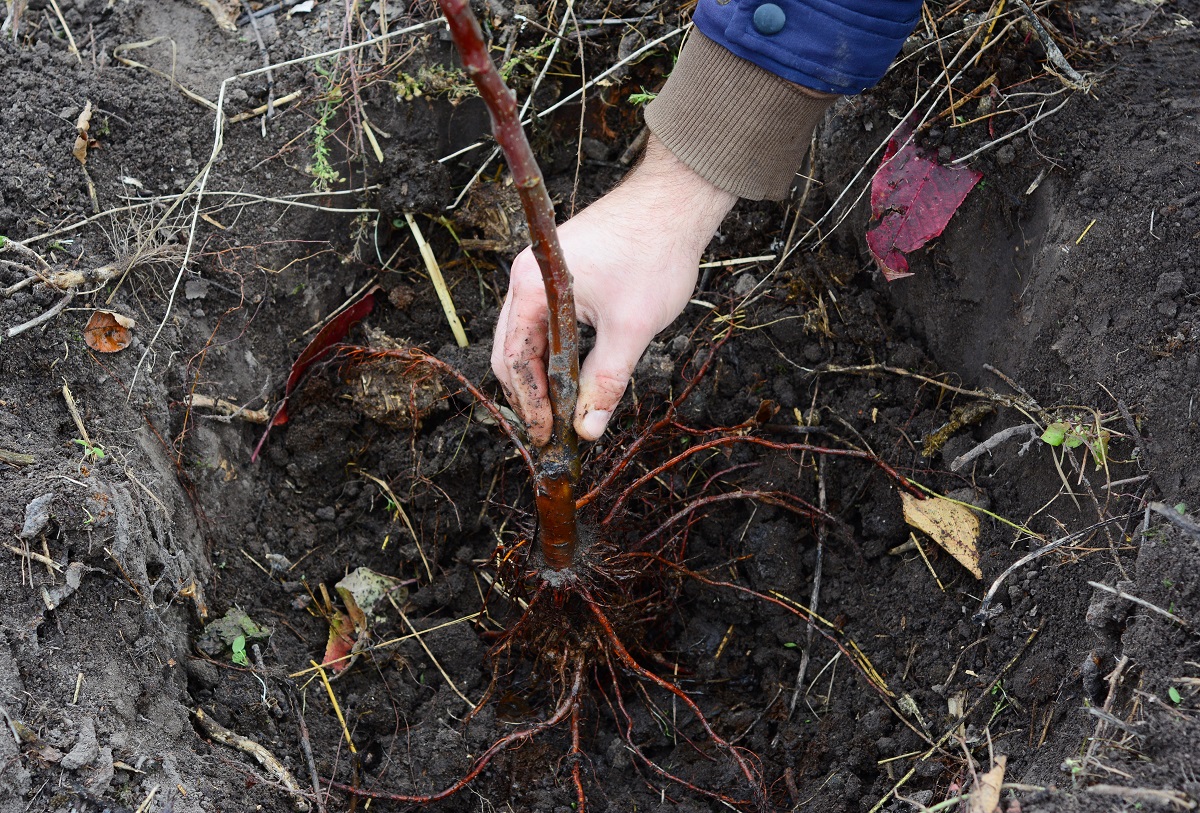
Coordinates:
[633,255]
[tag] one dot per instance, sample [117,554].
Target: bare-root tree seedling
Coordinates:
[610,560]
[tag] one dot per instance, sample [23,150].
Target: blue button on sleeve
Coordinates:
[769,19]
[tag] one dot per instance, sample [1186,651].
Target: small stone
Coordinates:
[37,516]
[744,285]
[195,288]
[203,672]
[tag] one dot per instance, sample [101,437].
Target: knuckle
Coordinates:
[610,383]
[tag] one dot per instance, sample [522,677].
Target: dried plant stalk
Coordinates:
[558,461]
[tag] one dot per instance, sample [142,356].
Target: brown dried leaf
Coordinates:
[225,12]
[82,125]
[108,332]
[985,798]
[954,527]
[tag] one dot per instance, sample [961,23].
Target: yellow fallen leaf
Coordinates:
[985,798]
[954,527]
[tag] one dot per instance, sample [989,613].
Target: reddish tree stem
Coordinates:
[558,461]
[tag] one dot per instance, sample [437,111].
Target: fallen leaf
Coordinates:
[985,798]
[912,199]
[366,589]
[224,12]
[340,647]
[954,527]
[108,332]
[317,349]
[349,632]
[82,125]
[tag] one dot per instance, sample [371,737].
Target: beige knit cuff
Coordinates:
[742,128]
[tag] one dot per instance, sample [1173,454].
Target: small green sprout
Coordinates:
[1175,696]
[239,651]
[1073,434]
[407,87]
[323,172]
[642,98]
[791,645]
[91,450]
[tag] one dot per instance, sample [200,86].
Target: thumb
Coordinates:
[603,378]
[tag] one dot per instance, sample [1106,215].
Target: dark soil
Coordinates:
[1069,270]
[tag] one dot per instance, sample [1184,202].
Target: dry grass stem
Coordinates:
[420,640]
[71,46]
[55,310]
[439,282]
[570,97]
[384,644]
[281,102]
[1177,519]
[985,612]
[1121,594]
[200,183]
[992,442]
[1070,77]
[1146,796]
[333,701]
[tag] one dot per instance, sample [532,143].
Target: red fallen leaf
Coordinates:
[321,344]
[107,332]
[339,648]
[912,198]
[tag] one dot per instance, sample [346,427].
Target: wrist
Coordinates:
[673,193]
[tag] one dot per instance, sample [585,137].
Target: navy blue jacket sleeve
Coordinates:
[832,46]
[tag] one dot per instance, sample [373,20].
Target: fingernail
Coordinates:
[595,422]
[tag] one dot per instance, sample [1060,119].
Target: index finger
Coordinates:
[519,359]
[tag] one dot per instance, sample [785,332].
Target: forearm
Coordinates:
[687,207]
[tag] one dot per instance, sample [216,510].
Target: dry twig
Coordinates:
[264,757]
